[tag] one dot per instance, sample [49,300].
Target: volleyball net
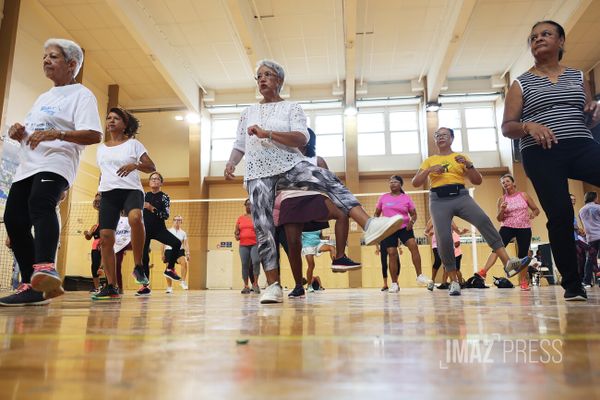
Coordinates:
[215,219]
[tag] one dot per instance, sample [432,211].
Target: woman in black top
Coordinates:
[94,233]
[156,211]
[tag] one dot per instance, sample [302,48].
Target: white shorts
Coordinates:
[314,250]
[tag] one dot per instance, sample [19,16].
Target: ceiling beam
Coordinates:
[448,45]
[244,24]
[167,60]
[567,13]
[350,14]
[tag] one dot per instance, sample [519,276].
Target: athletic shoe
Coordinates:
[525,286]
[394,288]
[587,286]
[24,296]
[514,265]
[171,274]
[430,285]
[298,292]
[169,290]
[454,289]
[272,294]
[108,292]
[59,291]
[139,275]
[575,294]
[45,278]
[183,284]
[256,289]
[344,264]
[380,228]
[385,289]
[246,290]
[423,280]
[94,290]
[444,286]
[144,291]
[310,289]
[482,273]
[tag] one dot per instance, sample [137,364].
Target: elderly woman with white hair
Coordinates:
[269,135]
[60,124]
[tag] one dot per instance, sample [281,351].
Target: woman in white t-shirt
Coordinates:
[60,124]
[269,135]
[120,158]
[182,256]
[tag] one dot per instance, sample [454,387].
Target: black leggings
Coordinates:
[32,202]
[165,237]
[96,261]
[549,171]
[437,261]
[522,235]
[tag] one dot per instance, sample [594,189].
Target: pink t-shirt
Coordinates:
[391,205]
[455,238]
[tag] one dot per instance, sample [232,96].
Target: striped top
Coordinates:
[558,106]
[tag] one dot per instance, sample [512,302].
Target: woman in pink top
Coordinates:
[244,233]
[396,202]
[515,212]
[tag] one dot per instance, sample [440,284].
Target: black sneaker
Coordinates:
[24,296]
[171,274]
[575,294]
[144,291]
[139,275]
[108,292]
[444,286]
[344,264]
[297,292]
[385,289]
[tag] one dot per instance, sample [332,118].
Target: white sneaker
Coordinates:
[272,294]
[515,265]
[310,289]
[423,280]
[169,289]
[184,285]
[454,289]
[380,228]
[394,288]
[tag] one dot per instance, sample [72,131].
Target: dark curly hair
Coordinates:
[132,124]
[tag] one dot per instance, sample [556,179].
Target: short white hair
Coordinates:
[70,49]
[274,66]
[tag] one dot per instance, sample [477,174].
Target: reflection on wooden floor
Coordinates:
[334,344]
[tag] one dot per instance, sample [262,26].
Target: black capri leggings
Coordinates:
[163,235]
[522,235]
[96,261]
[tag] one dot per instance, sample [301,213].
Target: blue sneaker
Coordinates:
[139,275]
[45,278]
[108,292]
[515,265]
[298,292]
[24,296]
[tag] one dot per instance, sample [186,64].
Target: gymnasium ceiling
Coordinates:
[160,52]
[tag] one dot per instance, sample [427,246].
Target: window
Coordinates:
[478,121]
[223,132]
[329,129]
[371,134]
[404,132]
[390,130]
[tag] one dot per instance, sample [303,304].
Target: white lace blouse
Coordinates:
[265,157]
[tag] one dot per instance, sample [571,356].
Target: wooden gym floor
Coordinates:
[334,344]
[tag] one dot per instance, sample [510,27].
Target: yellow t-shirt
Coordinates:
[454,171]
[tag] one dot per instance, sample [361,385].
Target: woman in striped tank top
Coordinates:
[550,110]
[515,212]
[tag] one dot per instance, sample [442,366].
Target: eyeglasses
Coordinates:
[178,220]
[440,134]
[266,75]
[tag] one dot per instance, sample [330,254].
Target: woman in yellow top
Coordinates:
[447,173]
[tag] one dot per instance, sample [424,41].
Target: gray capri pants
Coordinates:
[443,209]
[303,175]
[249,255]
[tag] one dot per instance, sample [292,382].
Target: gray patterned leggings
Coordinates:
[303,175]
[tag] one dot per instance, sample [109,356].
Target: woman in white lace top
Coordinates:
[269,134]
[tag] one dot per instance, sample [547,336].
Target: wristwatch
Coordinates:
[61,135]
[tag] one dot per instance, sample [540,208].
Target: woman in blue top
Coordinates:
[550,109]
